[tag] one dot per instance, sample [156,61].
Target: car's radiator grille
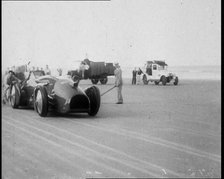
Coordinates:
[79,102]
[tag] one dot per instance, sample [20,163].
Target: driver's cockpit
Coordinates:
[38,73]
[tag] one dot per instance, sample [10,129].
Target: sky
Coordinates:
[57,33]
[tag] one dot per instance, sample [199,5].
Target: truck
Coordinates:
[156,71]
[96,71]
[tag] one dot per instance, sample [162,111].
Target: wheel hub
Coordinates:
[39,102]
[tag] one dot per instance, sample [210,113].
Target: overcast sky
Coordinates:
[181,32]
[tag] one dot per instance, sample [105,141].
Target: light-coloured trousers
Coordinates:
[138,79]
[119,95]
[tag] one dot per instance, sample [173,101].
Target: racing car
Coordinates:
[45,92]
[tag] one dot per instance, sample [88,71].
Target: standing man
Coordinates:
[47,70]
[134,72]
[118,82]
[59,71]
[82,68]
[139,72]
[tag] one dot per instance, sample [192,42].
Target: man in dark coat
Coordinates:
[134,73]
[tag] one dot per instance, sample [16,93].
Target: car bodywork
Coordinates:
[62,94]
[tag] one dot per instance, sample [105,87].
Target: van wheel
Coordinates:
[164,80]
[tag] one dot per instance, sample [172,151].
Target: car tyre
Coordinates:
[164,80]
[103,81]
[93,94]
[94,81]
[14,97]
[40,101]
[176,81]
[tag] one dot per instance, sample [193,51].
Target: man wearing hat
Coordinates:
[118,82]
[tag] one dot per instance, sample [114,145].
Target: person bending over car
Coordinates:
[10,77]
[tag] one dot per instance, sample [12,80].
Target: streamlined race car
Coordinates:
[45,92]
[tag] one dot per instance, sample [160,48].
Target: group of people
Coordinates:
[22,72]
[136,76]
[47,70]
[83,66]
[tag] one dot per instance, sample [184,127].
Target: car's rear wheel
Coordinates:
[164,80]
[103,81]
[93,94]
[94,81]
[40,101]
[144,79]
[14,97]
[176,81]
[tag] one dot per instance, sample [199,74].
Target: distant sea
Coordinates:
[183,72]
[187,72]
[198,72]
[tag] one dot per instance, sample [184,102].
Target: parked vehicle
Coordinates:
[97,71]
[156,71]
[61,94]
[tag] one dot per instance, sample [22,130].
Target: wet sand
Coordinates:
[172,131]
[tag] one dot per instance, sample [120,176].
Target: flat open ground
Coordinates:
[159,131]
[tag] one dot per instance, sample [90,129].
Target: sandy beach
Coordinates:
[159,131]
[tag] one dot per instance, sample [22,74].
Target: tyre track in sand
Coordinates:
[48,157]
[50,142]
[124,132]
[133,166]
[108,150]
[155,140]
[32,153]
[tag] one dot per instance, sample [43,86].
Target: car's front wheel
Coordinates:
[93,94]
[40,101]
